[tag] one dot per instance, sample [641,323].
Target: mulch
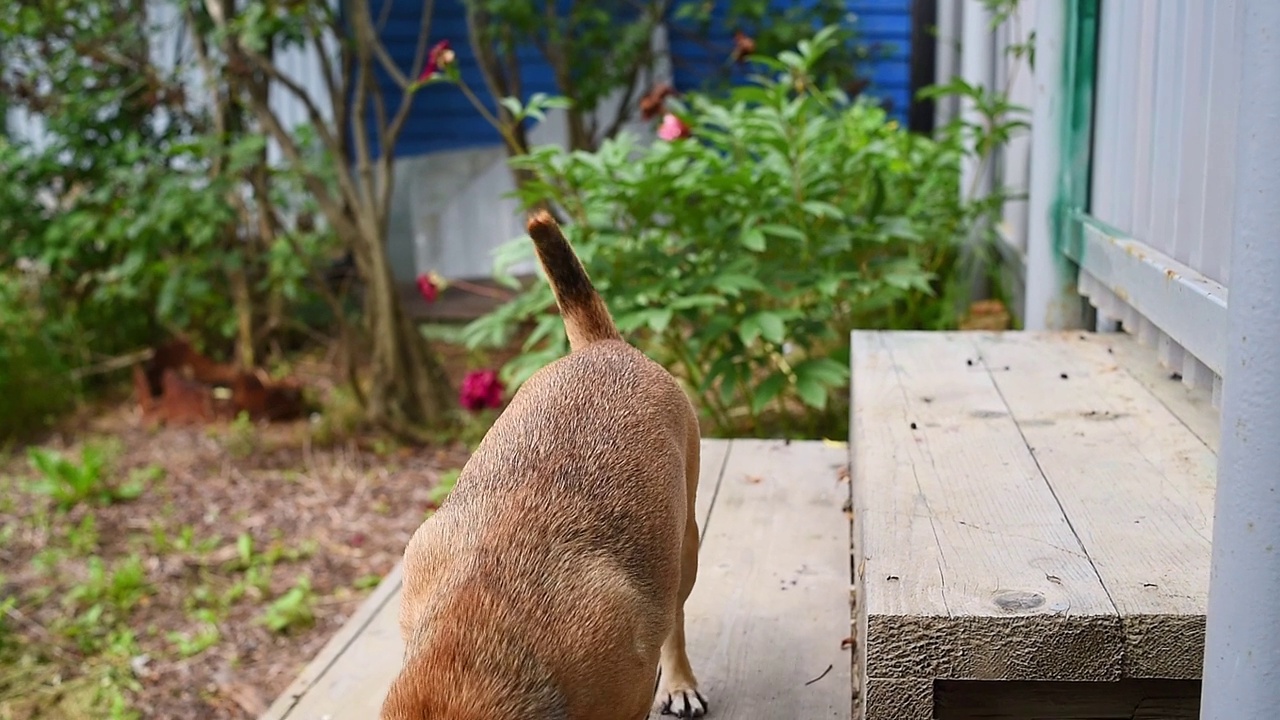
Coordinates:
[338,516]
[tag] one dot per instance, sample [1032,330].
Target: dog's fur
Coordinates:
[551,584]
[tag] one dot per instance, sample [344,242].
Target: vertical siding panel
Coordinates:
[1188,210]
[1125,147]
[1016,155]
[1106,113]
[1165,111]
[1219,183]
[1143,122]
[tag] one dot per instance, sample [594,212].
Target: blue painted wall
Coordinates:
[442,119]
[883,25]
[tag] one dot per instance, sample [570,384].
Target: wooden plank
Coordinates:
[714,453]
[1122,700]
[1135,482]
[967,566]
[770,611]
[1193,406]
[351,675]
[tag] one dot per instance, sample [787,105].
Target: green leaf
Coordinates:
[784,231]
[767,390]
[823,370]
[812,392]
[735,283]
[822,209]
[772,327]
[753,239]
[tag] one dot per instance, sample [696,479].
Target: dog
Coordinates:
[551,584]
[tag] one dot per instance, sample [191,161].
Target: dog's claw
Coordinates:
[685,704]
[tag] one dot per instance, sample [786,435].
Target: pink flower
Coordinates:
[440,57]
[673,128]
[428,287]
[481,389]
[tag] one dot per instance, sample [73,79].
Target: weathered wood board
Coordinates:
[737,616]
[1135,482]
[969,567]
[1025,508]
[769,615]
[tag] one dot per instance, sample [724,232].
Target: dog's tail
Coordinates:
[586,318]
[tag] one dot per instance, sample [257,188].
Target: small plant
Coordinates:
[120,589]
[241,438]
[367,582]
[82,538]
[341,417]
[292,609]
[191,644]
[69,482]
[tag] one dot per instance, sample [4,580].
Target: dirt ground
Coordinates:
[245,549]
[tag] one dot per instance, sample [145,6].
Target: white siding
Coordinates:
[1163,163]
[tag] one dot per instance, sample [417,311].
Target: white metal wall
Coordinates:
[1162,170]
[963,31]
[1164,155]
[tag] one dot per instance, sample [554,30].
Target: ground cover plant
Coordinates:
[192,572]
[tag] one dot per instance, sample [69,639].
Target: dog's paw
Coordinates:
[684,703]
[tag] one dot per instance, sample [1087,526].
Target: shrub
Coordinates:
[742,255]
[34,386]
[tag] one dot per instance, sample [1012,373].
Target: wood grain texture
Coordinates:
[770,611]
[1136,483]
[896,699]
[1193,406]
[351,675]
[967,566]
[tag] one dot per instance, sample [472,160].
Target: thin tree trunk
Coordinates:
[408,386]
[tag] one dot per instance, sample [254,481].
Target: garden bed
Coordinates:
[203,566]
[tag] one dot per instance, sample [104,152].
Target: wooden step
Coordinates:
[1026,508]
[766,622]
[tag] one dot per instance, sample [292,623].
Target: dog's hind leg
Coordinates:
[677,687]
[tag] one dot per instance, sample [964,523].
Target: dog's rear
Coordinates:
[552,581]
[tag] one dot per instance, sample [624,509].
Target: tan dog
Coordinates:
[551,584]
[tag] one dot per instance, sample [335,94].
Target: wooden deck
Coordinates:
[1028,507]
[767,621]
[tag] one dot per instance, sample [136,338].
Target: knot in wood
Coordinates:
[1018,600]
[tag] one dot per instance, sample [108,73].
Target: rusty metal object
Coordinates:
[178,385]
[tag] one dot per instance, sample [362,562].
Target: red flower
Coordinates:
[673,128]
[481,389]
[428,287]
[652,103]
[743,45]
[440,57]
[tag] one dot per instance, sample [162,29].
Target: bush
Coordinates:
[144,216]
[741,256]
[34,385]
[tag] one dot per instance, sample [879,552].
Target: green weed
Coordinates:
[70,482]
[295,608]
